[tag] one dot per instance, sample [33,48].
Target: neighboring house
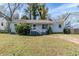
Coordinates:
[75,28]
[3,24]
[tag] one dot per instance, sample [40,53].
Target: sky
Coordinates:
[56,9]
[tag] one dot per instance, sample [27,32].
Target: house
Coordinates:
[57,26]
[39,27]
[3,24]
[70,21]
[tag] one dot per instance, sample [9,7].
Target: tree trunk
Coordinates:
[12,27]
[30,15]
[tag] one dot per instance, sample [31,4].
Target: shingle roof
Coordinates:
[34,21]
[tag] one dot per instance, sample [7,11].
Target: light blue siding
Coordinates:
[56,28]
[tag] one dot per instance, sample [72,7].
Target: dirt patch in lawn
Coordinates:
[74,40]
[69,38]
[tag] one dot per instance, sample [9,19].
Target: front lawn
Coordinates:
[37,45]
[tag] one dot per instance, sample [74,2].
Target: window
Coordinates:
[59,25]
[34,26]
[2,24]
[44,26]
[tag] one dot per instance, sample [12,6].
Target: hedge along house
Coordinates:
[39,27]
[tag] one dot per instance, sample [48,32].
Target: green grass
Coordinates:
[37,45]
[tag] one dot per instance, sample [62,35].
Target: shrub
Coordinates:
[23,29]
[66,31]
[49,30]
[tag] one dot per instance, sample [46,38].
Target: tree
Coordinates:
[16,15]
[36,9]
[9,13]
[12,9]
[28,11]
[62,16]
[24,17]
[23,29]
[31,10]
[49,30]
[49,17]
[42,11]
